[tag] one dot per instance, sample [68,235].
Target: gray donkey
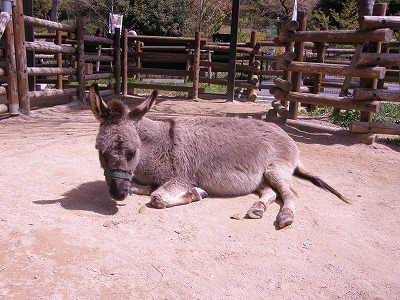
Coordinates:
[183,159]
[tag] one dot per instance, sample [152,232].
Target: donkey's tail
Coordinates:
[301,173]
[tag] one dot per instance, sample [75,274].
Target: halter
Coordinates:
[122,175]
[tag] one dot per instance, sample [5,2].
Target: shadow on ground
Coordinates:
[90,196]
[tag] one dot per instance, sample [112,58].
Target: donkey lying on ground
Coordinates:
[184,159]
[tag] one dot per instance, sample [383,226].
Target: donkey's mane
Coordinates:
[117,110]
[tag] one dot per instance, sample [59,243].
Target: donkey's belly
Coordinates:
[229,184]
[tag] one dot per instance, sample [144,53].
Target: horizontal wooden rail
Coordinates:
[376,94]
[49,47]
[48,24]
[382,59]
[91,39]
[163,39]
[153,86]
[50,71]
[332,69]
[100,58]
[53,92]
[224,82]
[369,127]
[328,100]
[373,22]
[223,67]
[338,36]
[163,56]
[155,71]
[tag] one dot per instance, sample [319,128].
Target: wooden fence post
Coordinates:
[125,63]
[59,60]
[80,60]
[20,58]
[250,75]
[379,9]
[196,66]
[117,59]
[11,71]
[296,77]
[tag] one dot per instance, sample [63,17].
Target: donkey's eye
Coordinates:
[129,155]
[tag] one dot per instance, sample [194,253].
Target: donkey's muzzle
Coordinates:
[118,195]
[120,186]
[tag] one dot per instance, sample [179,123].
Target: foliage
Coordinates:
[158,17]
[389,113]
[207,17]
[344,119]
[334,15]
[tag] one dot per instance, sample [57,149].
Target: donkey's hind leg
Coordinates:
[280,181]
[176,192]
[267,196]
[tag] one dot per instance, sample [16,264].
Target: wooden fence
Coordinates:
[301,62]
[372,64]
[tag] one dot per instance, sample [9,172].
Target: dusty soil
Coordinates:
[62,237]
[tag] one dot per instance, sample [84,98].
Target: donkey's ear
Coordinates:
[97,104]
[139,111]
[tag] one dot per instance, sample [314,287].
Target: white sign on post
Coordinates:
[115,21]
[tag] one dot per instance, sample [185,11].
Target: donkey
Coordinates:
[179,160]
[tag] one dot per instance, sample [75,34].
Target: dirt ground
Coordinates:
[62,237]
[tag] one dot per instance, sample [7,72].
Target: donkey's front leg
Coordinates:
[141,189]
[176,192]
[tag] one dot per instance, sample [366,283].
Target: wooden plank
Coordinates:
[328,100]
[53,92]
[154,86]
[155,71]
[48,24]
[370,127]
[382,59]
[33,71]
[373,22]
[338,36]
[376,94]
[48,47]
[346,83]
[332,69]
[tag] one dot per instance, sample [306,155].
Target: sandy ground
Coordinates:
[62,237]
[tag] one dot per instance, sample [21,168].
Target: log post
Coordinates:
[296,77]
[249,92]
[80,60]
[20,58]
[59,84]
[125,63]
[138,64]
[196,66]
[11,71]
[321,50]
[117,60]
[375,47]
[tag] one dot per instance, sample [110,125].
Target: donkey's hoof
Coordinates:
[285,218]
[197,194]
[157,202]
[257,210]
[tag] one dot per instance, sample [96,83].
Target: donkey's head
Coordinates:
[118,141]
